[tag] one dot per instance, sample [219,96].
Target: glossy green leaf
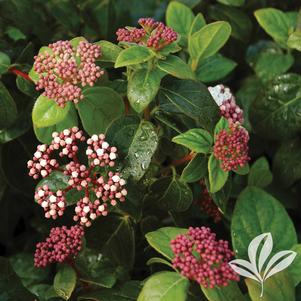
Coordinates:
[171,193]
[46,112]
[109,51]
[217,177]
[195,169]
[214,68]
[27,87]
[197,140]
[100,106]
[198,22]
[176,67]
[286,164]
[258,212]
[179,17]
[208,41]
[65,281]
[143,86]
[277,288]
[260,174]
[8,112]
[276,113]
[15,33]
[275,23]
[158,260]
[294,40]
[4,62]
[172,286]
[242,170]
[192,99]
[134,55]
[295,267]
[221,125]
[232,2]
[136,142]
[230,292]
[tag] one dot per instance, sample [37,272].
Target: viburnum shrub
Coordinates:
[144,145]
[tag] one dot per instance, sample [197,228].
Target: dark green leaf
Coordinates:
[109,51]
[8,112]
[197,140]
[143,86]
[260,174]
[100,106]
[27,87]
[195,169]
[4,62]
[217,177]
[233,2]
[257,212]
[15,33]
[276,113]
[158,260]
[65,281]
[172,286]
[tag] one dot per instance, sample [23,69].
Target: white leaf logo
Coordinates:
[253,269]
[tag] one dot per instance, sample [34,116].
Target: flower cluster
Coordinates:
[231,147]
[97,180]
[207,204]
[64,69]
[153,34]
[226,102]
[200,257]
[62,244]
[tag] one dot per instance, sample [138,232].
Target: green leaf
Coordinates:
[158,260]
[192,99]
[232,2]
[75,41]
[15,33]
[275,114]
[198,22]
[214,68]
[260,174]
[4,62]
[242,170]
[295,267]
[230,292]
[46,112]
[268,60]
[222,124]
[45,134]
[294,40]
[275,23]
[134,55]
[109,51]
[8,112]
[287,165]
[195,169]
[240,22]
[208,41]
[176,67]
[143,86]
[179,17]
[136,142]
[65,281]
[11,288]
[257,212]
[277,288]
[171,193]
[217,177]
[100,106]
[172,286]
[197,140]
[27,87]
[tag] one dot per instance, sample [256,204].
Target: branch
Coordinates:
[20,73]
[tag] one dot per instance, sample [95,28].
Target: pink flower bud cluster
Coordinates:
[202,258]
[231,147]
[62,244]
[54,203]
[155,35]
[227,104]
[207,204]
[64,69]
[86,211]
[107,188]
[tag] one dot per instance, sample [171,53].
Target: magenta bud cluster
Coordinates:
[63,70]
[153,34]
[231,147]
[201,257]
[53,203]
[99,183]
[61,244]
[227,104]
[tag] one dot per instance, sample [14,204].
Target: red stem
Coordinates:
[183,160]
[20,73]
